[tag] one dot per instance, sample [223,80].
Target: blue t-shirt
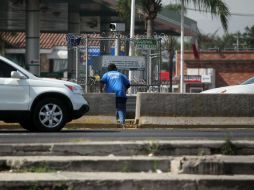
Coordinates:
[116,83]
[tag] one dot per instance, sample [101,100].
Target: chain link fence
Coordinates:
[94,53]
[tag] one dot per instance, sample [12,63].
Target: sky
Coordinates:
[210,25]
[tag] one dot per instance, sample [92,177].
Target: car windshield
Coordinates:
[249,81]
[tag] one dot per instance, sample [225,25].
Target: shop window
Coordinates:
[58,65]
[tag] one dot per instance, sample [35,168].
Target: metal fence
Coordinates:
[91,52]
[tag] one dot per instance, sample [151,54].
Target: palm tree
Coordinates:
[248,36]
[170,44]
[174,7]
[147,8]
[123,8]
[215,7]
[150,8]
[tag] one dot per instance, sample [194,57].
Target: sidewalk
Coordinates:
[100,122]
[83,122]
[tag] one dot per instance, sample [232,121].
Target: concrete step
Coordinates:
[214,165]
[122,181]
[85,163]
[125,165]
[127,148]
[202,165]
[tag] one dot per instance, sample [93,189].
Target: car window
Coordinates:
[249,81]
[5,70]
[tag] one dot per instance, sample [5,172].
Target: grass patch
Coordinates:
[41,168]
[57,186]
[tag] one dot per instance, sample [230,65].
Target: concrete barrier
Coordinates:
[201,110]
[102,110]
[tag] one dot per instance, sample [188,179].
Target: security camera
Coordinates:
[117,27]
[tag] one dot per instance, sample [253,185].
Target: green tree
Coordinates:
[248,36]
[215,7]
[233,41]
[175,7]
[150,9]
[123,8]
[147,8]
[208,41]
[170,43]
[227,41]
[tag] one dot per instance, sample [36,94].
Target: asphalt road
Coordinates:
[21,136]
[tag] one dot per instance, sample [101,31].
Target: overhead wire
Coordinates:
[234,14]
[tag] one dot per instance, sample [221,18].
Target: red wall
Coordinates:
[231,67]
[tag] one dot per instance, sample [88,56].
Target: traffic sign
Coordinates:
[125,62]
[146,44]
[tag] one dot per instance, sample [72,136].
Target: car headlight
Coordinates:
[75,89]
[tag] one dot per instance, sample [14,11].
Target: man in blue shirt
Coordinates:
[116,82]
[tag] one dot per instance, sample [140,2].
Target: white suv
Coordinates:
[38,104]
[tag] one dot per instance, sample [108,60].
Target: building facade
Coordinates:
[215,69]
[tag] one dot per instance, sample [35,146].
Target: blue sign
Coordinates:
[94,51]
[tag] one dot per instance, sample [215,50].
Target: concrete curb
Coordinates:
[127,148]
[198,165]
[195,122]
[123,181]
[95,122]
[213,165]
[85,163]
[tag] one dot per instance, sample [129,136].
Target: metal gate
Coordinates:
[93,53]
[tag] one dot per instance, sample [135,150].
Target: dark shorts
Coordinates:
[121,102]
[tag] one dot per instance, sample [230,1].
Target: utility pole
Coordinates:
[132,27]
[132,30]
[182,50]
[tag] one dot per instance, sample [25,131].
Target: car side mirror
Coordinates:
[17,75]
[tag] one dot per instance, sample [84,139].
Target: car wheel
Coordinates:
[50,115]
[28,125]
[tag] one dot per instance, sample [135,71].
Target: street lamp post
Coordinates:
[182,50]
[132,26]
[132,30]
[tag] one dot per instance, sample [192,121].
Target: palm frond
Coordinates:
[215,7]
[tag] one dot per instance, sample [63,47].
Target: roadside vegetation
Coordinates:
[40,168]
[228,148]
[149,9]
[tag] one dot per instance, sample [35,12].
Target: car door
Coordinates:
[14,93]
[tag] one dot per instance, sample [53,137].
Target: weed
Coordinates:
[41,168]
[125,167]
[155,165]
[152,148]
[57,186]
[228,148]
[201,153]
